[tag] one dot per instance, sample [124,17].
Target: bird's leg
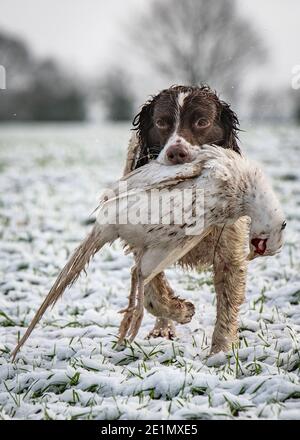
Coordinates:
[160,301]
[128,312]
[139,309]
[230,271]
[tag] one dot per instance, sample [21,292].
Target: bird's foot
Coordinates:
[125,323]
[131,323]
[136,321]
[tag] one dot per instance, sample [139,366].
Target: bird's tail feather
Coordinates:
[69,274]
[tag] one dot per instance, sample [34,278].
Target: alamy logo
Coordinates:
[2,78]
[296,77]
[184,207]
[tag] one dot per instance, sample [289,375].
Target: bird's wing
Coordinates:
[176,254]
[148,177]
[154,175]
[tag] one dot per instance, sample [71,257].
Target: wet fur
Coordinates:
[148,146]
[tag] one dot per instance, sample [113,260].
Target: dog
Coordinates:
[170,125]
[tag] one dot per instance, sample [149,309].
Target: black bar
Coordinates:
[134,429]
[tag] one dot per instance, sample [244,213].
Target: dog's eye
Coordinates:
[283,226]
[161,123]
[202,123]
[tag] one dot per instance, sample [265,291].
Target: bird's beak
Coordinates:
[258,247]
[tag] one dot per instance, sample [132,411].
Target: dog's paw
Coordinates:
[224,344]
[188,312]
[182,311]
[163,328]
[167,333]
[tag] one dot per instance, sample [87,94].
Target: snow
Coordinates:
[50,179]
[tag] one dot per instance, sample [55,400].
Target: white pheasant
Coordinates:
[222,187]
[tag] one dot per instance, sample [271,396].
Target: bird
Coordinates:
[161,212]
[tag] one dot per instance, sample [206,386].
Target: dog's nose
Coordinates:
[177,154]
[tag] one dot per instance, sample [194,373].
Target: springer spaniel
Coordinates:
[168,126]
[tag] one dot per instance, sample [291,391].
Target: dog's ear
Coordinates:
[230,124]
[143,124]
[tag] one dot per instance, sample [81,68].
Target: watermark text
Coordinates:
[2,78]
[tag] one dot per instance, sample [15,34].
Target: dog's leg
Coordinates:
[230,271]
[160,301]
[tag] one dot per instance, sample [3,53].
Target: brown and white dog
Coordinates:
[169,126]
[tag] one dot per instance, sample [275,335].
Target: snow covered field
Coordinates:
[50,180]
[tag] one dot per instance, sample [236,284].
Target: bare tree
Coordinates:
[195,41]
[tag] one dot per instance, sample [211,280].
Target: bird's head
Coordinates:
[267,218]
[267,239]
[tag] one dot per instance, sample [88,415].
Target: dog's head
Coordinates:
[172,123]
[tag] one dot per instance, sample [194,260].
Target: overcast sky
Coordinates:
[88,34]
